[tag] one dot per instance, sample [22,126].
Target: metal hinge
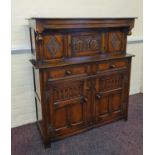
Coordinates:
[125,79]
[47,96]
[56,104]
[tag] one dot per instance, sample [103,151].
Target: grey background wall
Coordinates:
[23,107]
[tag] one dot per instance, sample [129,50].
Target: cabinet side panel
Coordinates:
[33,42]
[41,111]
[127,88]
[37,83]
[37,95]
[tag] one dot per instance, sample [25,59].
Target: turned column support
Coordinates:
[39,47]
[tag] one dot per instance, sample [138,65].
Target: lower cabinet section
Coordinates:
[80,103]
[72,104]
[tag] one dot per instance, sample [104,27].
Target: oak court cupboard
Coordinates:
[81,73]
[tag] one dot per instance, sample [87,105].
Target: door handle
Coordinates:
[112,66]
[68,72]
[98,96]
[85,99]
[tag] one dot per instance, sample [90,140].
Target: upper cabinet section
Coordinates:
[58,39]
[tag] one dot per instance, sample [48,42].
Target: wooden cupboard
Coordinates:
[81,73]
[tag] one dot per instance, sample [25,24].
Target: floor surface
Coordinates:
[119,138]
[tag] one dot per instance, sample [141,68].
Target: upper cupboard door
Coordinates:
[85,43]
[53,46]
[115,42]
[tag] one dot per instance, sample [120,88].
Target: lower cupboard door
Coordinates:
[68,106]
[108,106]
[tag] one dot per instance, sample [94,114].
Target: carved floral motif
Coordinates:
[86,43]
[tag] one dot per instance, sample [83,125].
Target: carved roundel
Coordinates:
[83,43]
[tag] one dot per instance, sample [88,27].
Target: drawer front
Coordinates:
[112,65]
[67,72]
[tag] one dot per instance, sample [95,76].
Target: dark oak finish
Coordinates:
[81,73]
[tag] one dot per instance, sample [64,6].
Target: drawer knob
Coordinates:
[98,96]
[113,66]
[85,99]
[68,72]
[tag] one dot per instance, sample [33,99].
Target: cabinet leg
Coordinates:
[126,118]
[47,144]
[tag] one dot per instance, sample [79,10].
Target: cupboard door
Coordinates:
[85,43]
[53,46]
[68,106]
[115,42]
[109,97]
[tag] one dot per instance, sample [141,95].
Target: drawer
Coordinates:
[67,72]
[112,65]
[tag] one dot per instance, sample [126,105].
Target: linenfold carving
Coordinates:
[112,82]
[67,92]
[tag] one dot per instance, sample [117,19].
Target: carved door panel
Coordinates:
[68,106]
[53,46]
[115,41]
[109,99]
[85,43]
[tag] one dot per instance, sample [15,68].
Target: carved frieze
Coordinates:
[68,91]
[111,82]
